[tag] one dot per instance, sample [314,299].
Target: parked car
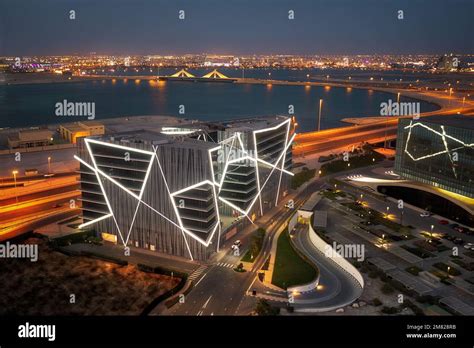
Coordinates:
[458,241]
[469,246]
[461,229]
[449,237]
[443,222]
[236,244]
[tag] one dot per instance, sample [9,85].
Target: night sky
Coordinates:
[43,27]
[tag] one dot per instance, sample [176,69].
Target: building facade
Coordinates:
[175,190]
[30,138]
[72,131]
[437,151]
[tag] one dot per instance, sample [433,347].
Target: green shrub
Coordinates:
[390,310]
[376,302]
[300,178]
[387,289]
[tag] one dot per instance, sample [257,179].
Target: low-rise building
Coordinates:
[72,131]
[30,138]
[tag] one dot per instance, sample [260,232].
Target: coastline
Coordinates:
[444,105]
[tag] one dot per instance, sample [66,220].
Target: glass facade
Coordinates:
[437,151]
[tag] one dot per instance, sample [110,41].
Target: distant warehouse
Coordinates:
[30,138]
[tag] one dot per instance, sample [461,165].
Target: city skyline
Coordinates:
[341,27]
[169,160]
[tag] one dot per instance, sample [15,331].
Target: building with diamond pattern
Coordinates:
[177,190]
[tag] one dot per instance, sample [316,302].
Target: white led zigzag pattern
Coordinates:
[153,155]
[179,224]
[443,137]
[257,160]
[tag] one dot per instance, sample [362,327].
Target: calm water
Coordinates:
[34,104]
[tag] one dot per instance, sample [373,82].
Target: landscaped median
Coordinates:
[256,243]
[290,266]
[369,157]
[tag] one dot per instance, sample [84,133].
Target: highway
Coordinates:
[310,143]
[42,201]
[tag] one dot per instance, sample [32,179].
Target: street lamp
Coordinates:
[319,118]
[49,164]
[15,172]
[431,233]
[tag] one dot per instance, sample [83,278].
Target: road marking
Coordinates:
[197,272]
[199,313]
[251,284]
[200,279]
[205,304]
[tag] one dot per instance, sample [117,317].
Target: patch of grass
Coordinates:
[300,178]
[263,308]
[390,310]
[446,268]
[439,274]
[467,266]
[290,268]
[256,243]
[413,270]
[336,166]
[387,289]
[417,251]
[79,237]
[376,302]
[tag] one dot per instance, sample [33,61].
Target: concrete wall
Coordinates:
[37,148]
[305,287]
[322,246]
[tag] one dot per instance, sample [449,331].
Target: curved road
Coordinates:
[339,288]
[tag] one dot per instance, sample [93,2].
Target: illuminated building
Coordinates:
[72,131]
[180,190]
[438,151]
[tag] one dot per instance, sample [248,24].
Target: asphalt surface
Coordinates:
[338,288]
[222,291]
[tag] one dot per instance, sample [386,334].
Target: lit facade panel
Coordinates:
[166,191]
[437,151]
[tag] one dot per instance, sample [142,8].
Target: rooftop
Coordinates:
[151,137]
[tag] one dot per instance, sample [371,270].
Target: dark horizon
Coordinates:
[238,27]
